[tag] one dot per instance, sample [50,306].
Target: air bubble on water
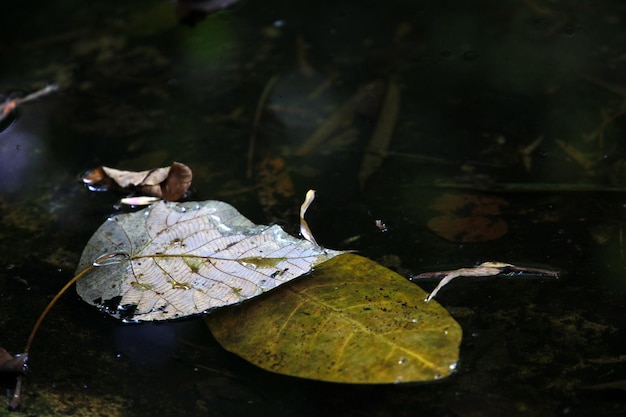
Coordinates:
[452,366]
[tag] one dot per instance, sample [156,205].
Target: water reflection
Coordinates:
[23,152]
[148,344]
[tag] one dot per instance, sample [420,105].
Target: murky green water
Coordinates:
[520,101]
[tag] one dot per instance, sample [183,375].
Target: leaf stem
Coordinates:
[15,400]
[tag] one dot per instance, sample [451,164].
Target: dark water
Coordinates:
[519,101]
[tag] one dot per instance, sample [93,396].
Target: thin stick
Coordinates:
[9,106]
[15,401]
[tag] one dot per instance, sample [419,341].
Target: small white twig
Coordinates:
[305,231]
[486,269]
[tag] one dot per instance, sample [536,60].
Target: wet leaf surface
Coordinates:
[351,321]
[177,259]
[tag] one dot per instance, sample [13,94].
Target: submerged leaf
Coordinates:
[171,260]
[468,218]
[350,321]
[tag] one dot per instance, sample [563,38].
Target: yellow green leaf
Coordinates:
[350,321]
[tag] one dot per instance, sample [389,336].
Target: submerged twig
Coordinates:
[378,145]
[339,118]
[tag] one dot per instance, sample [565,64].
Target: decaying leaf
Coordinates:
[172,260]
[485,269]
[468,217]
[352,321]
[169,183]
[468,229]
[12,364]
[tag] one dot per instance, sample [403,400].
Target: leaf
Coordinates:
[172,260]
[350,321]
[468,229]
[12,364]
[468,218]
[485,269]
[169,183]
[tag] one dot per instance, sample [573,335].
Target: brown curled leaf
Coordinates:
[168,183]
[177,182]
[12,364]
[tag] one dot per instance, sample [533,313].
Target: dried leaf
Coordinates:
[485,269]
[350,321]
[469,205]
[168,183]
[177,259]
[468,218]
[177,182]
[468,229]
